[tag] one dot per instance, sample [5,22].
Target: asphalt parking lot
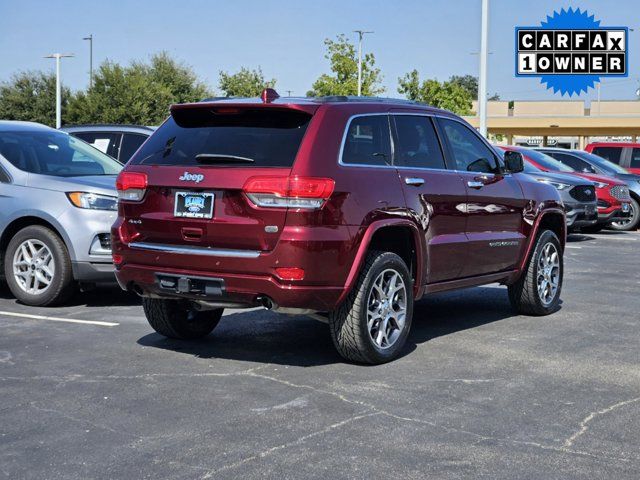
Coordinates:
[479,393]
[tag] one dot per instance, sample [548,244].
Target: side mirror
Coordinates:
[513,161]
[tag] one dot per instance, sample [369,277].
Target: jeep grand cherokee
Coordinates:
[348,208]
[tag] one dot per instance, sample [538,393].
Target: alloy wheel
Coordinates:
[33,267]
[387,309]
[548,273]
[620,224]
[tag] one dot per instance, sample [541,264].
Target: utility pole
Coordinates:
[482,81]
[58,56]
[361,33]
[90,39]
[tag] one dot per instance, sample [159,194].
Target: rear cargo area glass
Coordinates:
[268,137]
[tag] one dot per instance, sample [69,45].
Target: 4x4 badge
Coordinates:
[191,177]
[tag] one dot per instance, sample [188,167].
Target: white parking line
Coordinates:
[58,319]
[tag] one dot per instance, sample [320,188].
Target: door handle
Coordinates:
[475,184]
[414,181]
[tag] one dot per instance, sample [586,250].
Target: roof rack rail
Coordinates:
[353,98]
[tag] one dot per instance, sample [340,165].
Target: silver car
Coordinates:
[57,204]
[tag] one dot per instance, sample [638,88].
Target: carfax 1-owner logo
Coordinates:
[570,51]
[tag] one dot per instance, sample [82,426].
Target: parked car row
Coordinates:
[238,204]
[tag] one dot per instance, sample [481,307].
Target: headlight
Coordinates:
[93,201]
[558,185]
[601,185]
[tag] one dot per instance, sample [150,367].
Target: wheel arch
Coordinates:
[401,237]
[553,219]
[19,223]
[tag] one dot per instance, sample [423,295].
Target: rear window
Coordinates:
[226,136]
[610,153]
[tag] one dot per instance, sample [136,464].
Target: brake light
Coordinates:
[292,192]
[131,186]
[290,273]
[117,259]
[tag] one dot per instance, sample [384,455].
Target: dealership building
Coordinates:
[565,123]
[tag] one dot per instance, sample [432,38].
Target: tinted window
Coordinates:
[4,176]
[635,158]
[367,141]
[417,144]
[469,152]
[106,142]
[574,162]
[610,153]
[55,153]
[130,143]
[603,164]
[544,160]
[226,136]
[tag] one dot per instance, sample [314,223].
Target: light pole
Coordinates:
[90,39]
[58,56]
[361,34]
[482,81]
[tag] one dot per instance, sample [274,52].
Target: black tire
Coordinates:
[62,285]
[633,222]
[592,229]
[348,323]
[523,294]
[178,319]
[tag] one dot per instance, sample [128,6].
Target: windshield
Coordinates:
[545,161]
[230,137]
[603,163]
[55,153]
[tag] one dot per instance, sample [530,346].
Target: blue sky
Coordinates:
[285,37]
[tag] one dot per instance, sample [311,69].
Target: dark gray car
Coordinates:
[578,195]
[57,204]
[586,162]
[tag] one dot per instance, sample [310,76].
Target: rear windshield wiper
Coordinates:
[221,158]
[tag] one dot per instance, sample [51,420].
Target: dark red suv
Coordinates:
[346,208]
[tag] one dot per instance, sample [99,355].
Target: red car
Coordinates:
[348,208]
[613,195]
[627,155]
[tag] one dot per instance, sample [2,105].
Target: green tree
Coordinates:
[447,95]
[245,83]
[343,80]
[31,96]
[140,93]
[470,83]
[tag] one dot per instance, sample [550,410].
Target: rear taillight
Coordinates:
[131,186]
[292,192]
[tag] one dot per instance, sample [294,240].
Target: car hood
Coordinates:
[560,177]
[599,178]
[100,184]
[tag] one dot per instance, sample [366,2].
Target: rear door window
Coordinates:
[130,143]
[367,141]
[226,136]
[106,142]
[612,154]
[416,144]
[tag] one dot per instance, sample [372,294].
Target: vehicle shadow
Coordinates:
[104,296]
[579,237]
[267,337]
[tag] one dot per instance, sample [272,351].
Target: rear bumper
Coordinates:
[326,254]
[237,289]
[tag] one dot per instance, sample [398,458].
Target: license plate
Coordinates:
[626,207]
[590,210]
[194,205]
